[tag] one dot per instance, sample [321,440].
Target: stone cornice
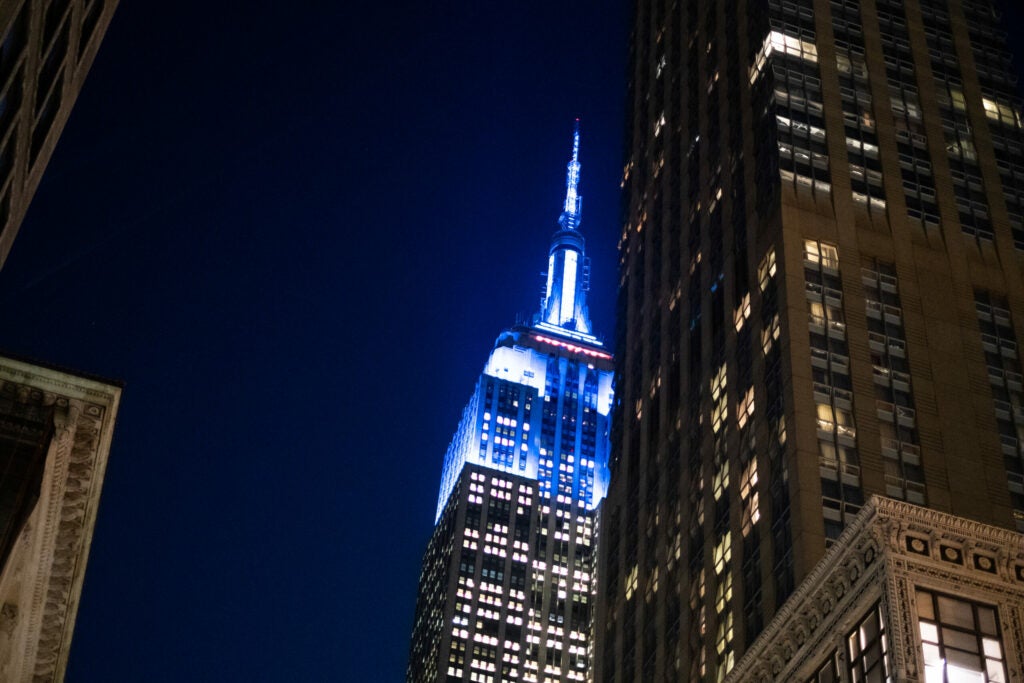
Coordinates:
[63,383]
[935,520]
[65,515]
[853,574]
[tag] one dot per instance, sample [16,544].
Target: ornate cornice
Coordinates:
[63,383]
[59,533]
[873,560]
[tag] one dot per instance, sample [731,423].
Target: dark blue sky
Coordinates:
[295,236]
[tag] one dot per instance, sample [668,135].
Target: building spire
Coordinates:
[564,308]
[570,218]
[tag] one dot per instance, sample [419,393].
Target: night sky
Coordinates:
[295,236]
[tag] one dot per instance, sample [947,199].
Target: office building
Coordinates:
[55,434]
[506,590]
[46,50]
[821,301]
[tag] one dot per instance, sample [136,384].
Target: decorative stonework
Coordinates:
[42,581]
[950,554]
[985,563]
[918,546]
[890,548]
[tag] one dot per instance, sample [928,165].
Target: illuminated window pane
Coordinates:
[868,648]
[960,640]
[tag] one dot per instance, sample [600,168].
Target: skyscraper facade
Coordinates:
[821,301]
[507,587]
[46,50]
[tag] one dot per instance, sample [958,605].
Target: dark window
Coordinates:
[25,432]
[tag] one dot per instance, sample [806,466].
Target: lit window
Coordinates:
[821,253]
[960,640]
[869,648]
[631,582]
[766,269]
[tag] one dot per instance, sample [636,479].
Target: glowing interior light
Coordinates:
[1002,112]
[777,41]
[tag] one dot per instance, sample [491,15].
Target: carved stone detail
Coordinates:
[887,550]
[41,585]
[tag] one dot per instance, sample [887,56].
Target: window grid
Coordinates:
[868,649]
[960,640]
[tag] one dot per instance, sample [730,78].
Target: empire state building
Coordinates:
[506,590]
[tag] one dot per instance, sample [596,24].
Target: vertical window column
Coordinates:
[894,399]
[1004,373]
[968,191]
[912,145]
[858,116]
[839,464]
[778,475]
[1002,104]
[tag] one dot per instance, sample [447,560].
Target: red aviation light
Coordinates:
[573,347]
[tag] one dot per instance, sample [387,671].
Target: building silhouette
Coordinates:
[46,50]
[506,591]
[819,317]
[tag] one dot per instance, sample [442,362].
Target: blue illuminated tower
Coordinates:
[565,307]
[506,590]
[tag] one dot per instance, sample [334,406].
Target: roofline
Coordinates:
[8,355]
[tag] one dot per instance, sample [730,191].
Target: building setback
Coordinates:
[821,301]
[507,586]
[46,50]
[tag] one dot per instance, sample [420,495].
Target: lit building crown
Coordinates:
[541,408]
[507,585]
